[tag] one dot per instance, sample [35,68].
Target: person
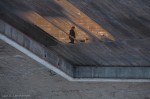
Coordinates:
[72,35]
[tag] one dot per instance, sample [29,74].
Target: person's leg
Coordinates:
[72,40]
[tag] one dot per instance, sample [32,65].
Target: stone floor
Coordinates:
[24,78]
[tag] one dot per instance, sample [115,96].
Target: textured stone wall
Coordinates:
[117,72]
[48,22]
[35,47]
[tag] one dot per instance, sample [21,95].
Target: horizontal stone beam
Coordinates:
[35,50]
[49,59]
[113,72]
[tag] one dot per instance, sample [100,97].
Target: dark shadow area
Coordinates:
[29,29]
[146,2]
[46,8]
[101,65]
[144,19]
[43,7]
[138,26]
[14,5]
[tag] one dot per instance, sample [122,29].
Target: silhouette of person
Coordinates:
[72,35]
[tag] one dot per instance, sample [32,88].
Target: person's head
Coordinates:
[72,27]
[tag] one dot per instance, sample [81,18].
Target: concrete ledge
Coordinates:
[108,80]
[113,72]
[50,60]
[35,57]
[58,71]
[34,49]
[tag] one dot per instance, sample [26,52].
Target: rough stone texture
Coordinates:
[23,78]
[36,48]
[126,23]
[115,33]
[113,72]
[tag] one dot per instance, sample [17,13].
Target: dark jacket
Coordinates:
[72,33]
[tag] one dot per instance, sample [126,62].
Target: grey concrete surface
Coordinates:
[55,62]
[130,46]
[128,21]
[23,78]
[27,43]
[131,73]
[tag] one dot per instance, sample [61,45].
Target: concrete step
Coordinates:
[113,72]
[32,36]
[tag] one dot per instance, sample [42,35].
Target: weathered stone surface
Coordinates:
[115,33]
[129,28]
[23,78]
[36,48]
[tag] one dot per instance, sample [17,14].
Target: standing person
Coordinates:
[72,35]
